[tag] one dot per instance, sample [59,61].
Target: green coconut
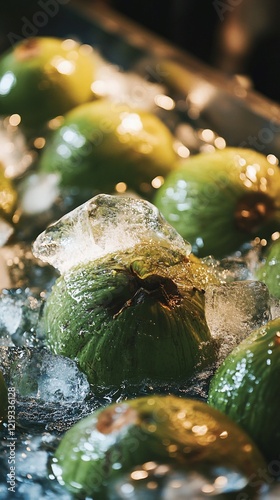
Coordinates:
[245,387]
[135,434]
[133,316]
[3,400]
[105,145]
[269,269]
[43,77]
[221,200]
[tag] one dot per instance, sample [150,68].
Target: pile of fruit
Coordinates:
[135,250]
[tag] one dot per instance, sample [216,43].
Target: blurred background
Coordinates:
[235,36]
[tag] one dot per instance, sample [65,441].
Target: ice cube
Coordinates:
[234,269]
[10,317]
[103,225]
[126,88]
[43,376]
[19,318]
[38,192]
[233,310]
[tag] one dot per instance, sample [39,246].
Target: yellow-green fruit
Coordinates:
[133,317]
[101,144]
[165,430]
[43,77]
[245,387]
[269,270]
[3,400]
[220,200]
[8,195]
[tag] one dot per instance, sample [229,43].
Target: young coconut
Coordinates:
[43,77]
[245,387]
[269,269]
[220,200]
[167,431]
[104,143]
[129,305]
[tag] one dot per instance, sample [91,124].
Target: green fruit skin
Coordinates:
[162,429]
[3,400]
[206,200]
[46,77]
[103,143]
[269,270]
[245,387]
[133,317]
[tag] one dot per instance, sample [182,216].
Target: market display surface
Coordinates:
[139,303]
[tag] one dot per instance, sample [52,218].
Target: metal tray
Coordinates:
[224,104]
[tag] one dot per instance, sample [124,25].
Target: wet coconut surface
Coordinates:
[48,391]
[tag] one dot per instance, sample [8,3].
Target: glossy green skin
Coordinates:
[246,388]
[134,317]
[151,429]
[206,200]
[3,400]
[46,78]
[269,269]
[98,147]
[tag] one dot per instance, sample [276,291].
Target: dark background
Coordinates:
[234,36]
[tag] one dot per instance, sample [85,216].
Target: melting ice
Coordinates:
[233,310]
[41,375]
[103,225]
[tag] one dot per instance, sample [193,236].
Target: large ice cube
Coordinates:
[103,225]
[234,310]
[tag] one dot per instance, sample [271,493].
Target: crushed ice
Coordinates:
[43,376]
